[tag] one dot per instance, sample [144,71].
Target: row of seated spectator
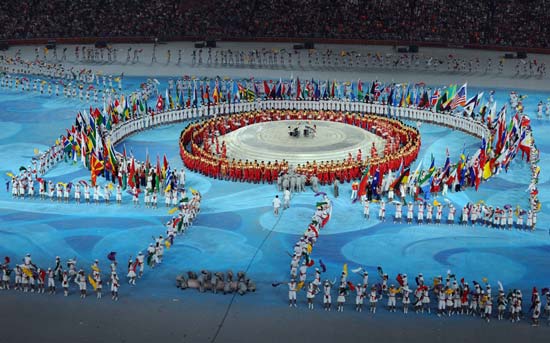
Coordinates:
[518,23]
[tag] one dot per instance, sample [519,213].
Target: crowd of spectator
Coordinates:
[490,22]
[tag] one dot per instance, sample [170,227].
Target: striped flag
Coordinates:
[460,97]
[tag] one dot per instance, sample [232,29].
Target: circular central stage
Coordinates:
[270,141]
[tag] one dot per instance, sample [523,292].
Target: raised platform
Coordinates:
[270,141]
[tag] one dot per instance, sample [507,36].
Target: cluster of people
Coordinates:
[187,209]
[201,151]
[424,212]
[300,258]
[28,277]
[23,187]
[442,22]
[216,281]
[447,296]
[38,67]
[344,59]
[59,87]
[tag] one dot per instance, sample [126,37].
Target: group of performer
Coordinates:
[424,212]
[82,192]
[31,278]
[329,58]
[449,296]
[28,277]
[300,258]
[201,151]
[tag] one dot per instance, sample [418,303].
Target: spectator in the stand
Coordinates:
[489,22]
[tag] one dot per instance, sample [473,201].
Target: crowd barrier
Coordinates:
[467,125]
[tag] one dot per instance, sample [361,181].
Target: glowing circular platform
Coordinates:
[270,141]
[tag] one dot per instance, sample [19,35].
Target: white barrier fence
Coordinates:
[466,124]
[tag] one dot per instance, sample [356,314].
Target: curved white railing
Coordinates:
[465,124]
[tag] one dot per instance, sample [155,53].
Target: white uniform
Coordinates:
[292,291]
[420,215]
[409,212]
[382,211]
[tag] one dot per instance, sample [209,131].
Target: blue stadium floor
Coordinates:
[233,229]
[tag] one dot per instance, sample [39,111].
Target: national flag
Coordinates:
[424,101]
[278,89]
[447,165]
[363,184]
[375,180]
[267,91]
[402,178]
[435,97]
[440,105]
[487,170]
[160,103]
[168,180]
[96,167]
[451,92]
[131,174]
[460,97]
[424,180]
[216,94]
[470,105]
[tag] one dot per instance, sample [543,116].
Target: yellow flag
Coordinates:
[300,285]
[345,269]
[10,174]
[92,282]
[309,248]
[27,271]
[167,244]
[487,171]
[172,210]
[436,203]
[36,151]
[95,268]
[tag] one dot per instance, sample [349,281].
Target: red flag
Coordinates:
[160,103]
[363,184]
[158,166]
[96,166]
[96,113]
[165,162]
[131,173]
[266,88]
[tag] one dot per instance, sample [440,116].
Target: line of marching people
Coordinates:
[23,186]
[479,214]
[28,277]
[446,296]
[300,258]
